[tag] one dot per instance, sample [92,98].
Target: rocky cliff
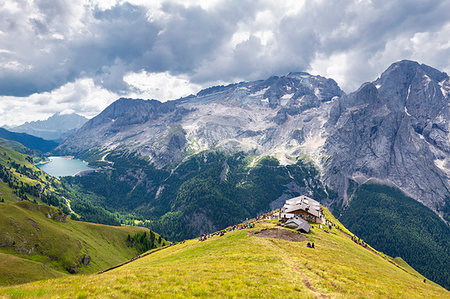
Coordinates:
[394,130]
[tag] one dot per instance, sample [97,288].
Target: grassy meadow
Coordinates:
[240,264]
[35,246]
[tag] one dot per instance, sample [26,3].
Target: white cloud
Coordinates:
[160,86]
[81,96]
[164,49]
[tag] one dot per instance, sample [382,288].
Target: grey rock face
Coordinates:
[260,117]
[394,130]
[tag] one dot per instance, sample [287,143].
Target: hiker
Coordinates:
[312,245]
[308,245]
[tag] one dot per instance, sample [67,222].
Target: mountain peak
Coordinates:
[407,70]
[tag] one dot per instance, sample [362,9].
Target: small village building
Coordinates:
[301,207]
[298,224]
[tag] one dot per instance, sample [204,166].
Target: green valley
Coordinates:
[206,192]
[210,191]
[38,241]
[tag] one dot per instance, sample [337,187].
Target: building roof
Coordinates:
[303,203]
[304,227]
[297,221]
[298,224]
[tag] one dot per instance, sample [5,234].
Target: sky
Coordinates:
[80,56]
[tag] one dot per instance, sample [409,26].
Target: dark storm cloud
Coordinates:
[105,50]
[49,43]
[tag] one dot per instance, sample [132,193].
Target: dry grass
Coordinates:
[241,265]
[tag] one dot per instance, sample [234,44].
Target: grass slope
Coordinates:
[18,147]
[30,232]
[17,270]
[239,264]
[400,226]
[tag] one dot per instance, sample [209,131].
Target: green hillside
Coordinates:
[17,270]
[400,226]
[242,264]
[21,180]
[42,234]
[18,147]
[39,241]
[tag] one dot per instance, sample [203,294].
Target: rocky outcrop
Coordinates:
[86,259]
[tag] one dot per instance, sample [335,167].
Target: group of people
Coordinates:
[330,225]
[359,241]
[135,258]
[182,242]
[205,237]
[355,239]
[310,245]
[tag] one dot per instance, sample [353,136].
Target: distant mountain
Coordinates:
[56,127]
[31,142]
[281,116]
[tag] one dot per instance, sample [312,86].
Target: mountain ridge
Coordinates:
[394,129]
[56,127]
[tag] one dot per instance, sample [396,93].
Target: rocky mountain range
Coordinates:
[394,130]
[56,127]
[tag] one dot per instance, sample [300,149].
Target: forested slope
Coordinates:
[400,226]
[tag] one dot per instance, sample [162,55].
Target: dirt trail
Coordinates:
[288,259]
[129,261]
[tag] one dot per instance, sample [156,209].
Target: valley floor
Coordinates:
[240,264]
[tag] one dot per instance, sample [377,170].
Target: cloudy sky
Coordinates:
[79,56]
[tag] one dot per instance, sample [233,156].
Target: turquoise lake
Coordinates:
[63,166]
